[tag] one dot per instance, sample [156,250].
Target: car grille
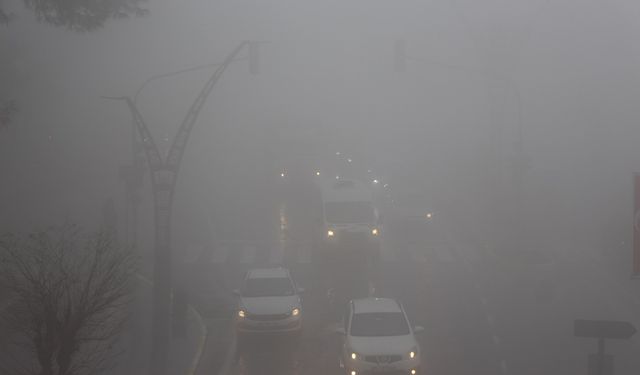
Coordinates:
[383,358]
[268,317]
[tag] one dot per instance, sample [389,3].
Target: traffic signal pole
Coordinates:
[163,177]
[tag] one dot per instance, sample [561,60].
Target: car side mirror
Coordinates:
[236,292]
[418,329]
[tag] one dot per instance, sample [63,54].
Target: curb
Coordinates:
[204,335]
[195,362]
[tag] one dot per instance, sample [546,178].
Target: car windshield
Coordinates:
[379,324]
[349,212]
[267,287]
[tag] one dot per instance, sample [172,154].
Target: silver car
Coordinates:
[269,302]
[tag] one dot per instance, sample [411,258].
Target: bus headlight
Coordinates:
[374,231]
[330,233]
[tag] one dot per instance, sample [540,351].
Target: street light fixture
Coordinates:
[163,175]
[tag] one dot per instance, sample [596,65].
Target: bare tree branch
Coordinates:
[69,298]
[82,15]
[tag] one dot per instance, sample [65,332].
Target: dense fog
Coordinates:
[516,119]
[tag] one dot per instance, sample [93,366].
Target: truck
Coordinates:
[351,223]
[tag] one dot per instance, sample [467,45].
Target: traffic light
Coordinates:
[400,56]
[254,58]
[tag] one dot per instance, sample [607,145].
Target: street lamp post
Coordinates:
[163,177]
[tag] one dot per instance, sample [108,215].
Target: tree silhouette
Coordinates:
[74,15]
[83,15]
[68,299]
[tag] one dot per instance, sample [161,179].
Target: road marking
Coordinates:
[225,369]
[220,254]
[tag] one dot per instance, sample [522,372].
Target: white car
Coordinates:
[379,339]
[269,302]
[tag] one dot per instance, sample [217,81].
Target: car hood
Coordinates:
[269,305]
[382,345]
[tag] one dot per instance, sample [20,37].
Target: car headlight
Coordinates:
[295,312]
[374,231]
[355,355]
[241,314]
[413,353]
[330,233]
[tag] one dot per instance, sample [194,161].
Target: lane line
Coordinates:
[225,369]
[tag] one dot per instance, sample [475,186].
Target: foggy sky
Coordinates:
[328,72]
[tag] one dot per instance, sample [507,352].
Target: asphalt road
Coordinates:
[483,313]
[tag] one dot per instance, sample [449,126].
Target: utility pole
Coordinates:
[132,176]
[163,177]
